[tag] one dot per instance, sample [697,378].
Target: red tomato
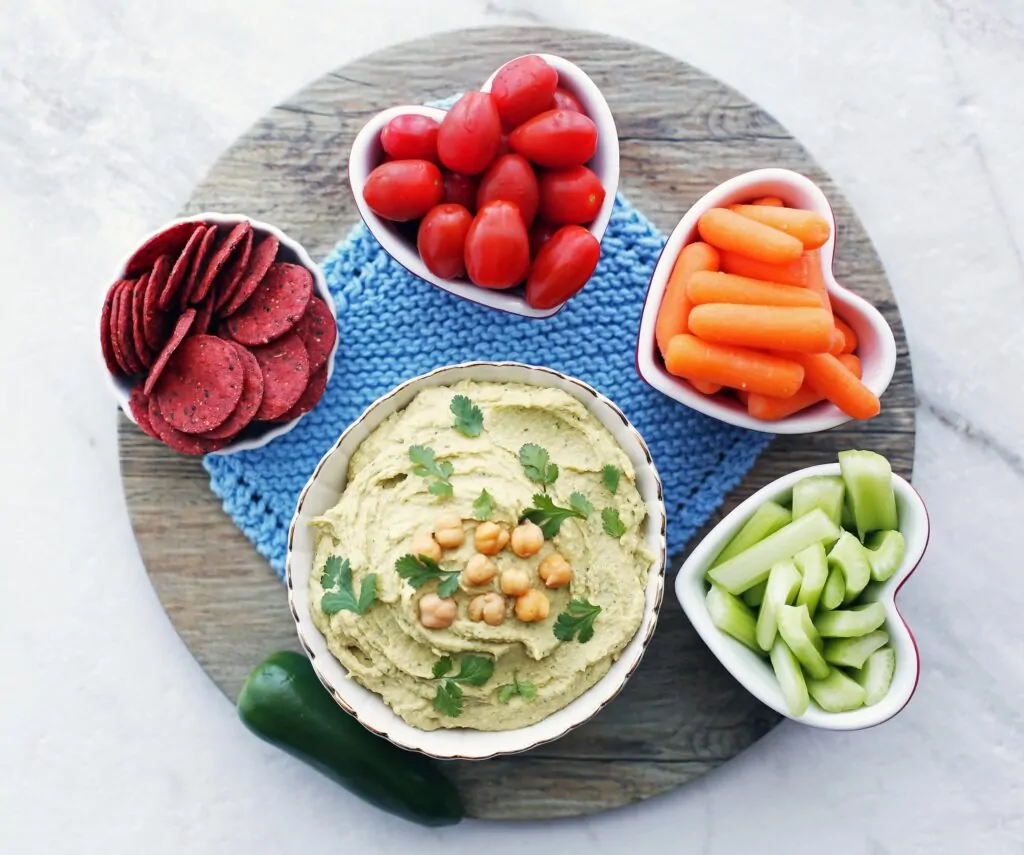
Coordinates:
[497,246]
[562,267]
[540,234]
[442,240]
[570,196]
[411,137]
[503,146]
[460,190]
[403,189]
[510,178]
[565,100]
[556,139]
[523,88]
[470,134]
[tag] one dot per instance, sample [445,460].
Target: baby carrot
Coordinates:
[771,327]
[675,305]
[811,229]
[707,287]
[794,273]
[849,335]
[705,387]
[838,343]
[816,279]
[770,201]
[728,230]
[738,367]
[831,378]
[771,409]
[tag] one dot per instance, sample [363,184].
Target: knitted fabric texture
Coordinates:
[394,326]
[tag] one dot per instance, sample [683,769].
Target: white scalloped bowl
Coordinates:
[366,154]
[876,347]
[323,491]
[291,251]
[755,672]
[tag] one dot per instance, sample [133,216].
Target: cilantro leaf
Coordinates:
[610,477]
[417,570]
[577,621]
[525,689]
[339,595]
[475,670]
[442,666]
[440,488]
[483,507]
[448,700]
[469,418]
[550,516]
[613,524]
[426,465]
[506,692]
[579,502]
[536,464]
[449,585]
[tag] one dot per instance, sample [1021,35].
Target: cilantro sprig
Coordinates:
[524,688]
[473,670]
[610,477]
[537,464]
[484,505]
[418,570]
[469,418]
[612,522]
[339,595]
[550,516]
[577,621]
[437,473]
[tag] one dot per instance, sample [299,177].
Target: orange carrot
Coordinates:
[675,305]
[705,387]
[816,279]
[850,345]
[728,230]
[851,362]
[838,343]
[771,409]
[706,287]
[771,327]
[738,367]
[770,201]
[811,229]
[831,378]
[794,273]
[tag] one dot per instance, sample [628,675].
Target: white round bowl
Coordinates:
[755,672]
[323,491]
[876,345]
[366,154]
[291,251]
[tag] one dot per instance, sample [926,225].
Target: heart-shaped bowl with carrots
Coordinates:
[744,320]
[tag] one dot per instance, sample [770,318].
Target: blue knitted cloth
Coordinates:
[394,326]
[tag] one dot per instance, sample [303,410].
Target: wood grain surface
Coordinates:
[681,132]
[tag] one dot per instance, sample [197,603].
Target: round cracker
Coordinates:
[318,330]
[285,367]
[248,404]
[142,349]
[195,271]
[275,306]
[184,443]
[204,312]
[219,259]
[139,405]
[154,321]
[106,339]
[123,329]
[230,275]
[178,277]
[171,241]
[310,397]
[201,385]
[181,329]
[262,256]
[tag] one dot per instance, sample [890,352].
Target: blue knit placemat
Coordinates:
[394,326]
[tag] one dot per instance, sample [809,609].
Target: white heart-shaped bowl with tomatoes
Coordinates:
[399,238]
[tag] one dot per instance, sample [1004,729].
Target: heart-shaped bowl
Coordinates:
[326,485]
[876,347]
[366,154]
[755,672]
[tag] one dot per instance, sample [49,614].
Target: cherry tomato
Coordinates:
[470,134]
[442,240]
[523,88]
[460,190]
[503,146]
[403,189]
[497,246]
[411,137]
[510,178]
[540,234]
[570,196]
[562,267]
[565,100]
[556,139]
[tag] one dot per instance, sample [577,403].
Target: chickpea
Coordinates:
[479,571]
[437,613]
[532,606]
[514,582]
[527,539]
[448,531]
[555,571]
[490,608]
[490,538]
[424,544]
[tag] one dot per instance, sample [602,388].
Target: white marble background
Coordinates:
[111,738]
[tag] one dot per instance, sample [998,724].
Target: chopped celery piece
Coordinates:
[852,560]
[783,583]
[753,597]
[819,491]
[850,623]
[885,550]
[837,692]
[766,520]
[868,478]
[802,638]
[752,565]
[813,567]
[846,518]
[732,617]
[854,652]
[835,590]
[876,675]
[791,679]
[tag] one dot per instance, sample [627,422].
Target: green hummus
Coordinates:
[384,505]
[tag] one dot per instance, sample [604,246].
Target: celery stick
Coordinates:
[837,692]
[813,567]
[732,617]
[868,478]
[752,565]
[876,675]
[783,583]
[834,591]
[766,520]
[753,597]
[886,550]
[802,638]
[791,679]
[854,652]
[852,561]
[850,623]
[819,491]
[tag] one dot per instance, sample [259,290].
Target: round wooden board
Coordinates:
[681,132]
